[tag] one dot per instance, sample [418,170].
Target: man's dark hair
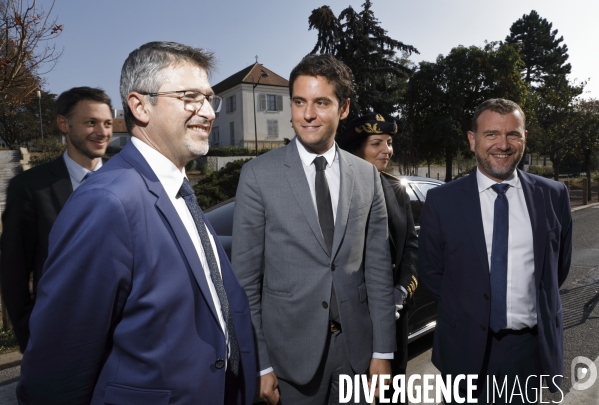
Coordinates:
[498,105]
[143,68]
[66,102]
[329,67]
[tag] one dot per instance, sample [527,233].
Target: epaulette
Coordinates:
[391,176]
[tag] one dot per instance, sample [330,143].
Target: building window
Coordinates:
[215,136]
[231,104]
[232,130]
[273,128]
[271,102]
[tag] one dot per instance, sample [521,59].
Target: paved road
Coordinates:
[580,298]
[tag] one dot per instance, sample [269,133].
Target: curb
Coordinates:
[9,360]
[585,206]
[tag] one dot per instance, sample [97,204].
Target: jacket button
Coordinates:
[333,267]
[325,305]
[486,296]
[220,363]
[483,328]
[393,266]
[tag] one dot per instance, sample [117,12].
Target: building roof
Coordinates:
[250,75]
[118,125]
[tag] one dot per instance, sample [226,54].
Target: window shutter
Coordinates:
[234,102]
[279,105]
[262,102]
[275,124]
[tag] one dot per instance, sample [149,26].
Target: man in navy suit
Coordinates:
[138,303]
[495,247]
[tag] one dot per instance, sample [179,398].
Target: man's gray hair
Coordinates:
[498,105]
[142,70]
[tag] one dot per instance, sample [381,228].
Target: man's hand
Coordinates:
[378,367]
[269,388]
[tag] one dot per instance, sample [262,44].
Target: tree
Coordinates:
[220,185]
[25,48]
[544,58]
[546,69]
[586,125]
[442,96]
[358,40]
[20,122]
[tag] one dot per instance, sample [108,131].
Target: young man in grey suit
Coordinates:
[36,196]
[310,248]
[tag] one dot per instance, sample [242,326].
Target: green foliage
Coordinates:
[442,96]
[8,341]
[205,169]
[545,171]
[235,151]
[20,121]
[48,148]
[220,185]
[544,58]
[358,40]
[191,166]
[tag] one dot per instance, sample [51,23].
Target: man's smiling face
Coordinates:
[315,112]
[498,143]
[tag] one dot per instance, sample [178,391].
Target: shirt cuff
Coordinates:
[265,371]
[382,356]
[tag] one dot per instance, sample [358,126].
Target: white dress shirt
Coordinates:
[171,179]
[521,300]
[76,172]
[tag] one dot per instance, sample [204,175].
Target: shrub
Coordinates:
[49,149]
[220,185]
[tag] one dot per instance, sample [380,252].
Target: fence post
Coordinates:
[585,191]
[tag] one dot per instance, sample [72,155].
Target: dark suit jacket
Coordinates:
[402,234]
[34,199]
[453,264]
[124,312]
[286,269]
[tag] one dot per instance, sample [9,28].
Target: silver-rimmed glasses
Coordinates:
[191,98]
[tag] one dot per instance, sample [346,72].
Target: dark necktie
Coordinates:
[325,219]
[499,254]
[86,176]
[188,195]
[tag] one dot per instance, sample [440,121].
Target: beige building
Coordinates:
[234,124]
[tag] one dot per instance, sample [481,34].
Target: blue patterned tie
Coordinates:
[189,196]
[499,253]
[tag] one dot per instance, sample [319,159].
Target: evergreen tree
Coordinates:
[544,58]
[358,40]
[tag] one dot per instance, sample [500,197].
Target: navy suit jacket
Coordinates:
[124,313]
[453,264]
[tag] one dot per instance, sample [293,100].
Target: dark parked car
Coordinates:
[421,318]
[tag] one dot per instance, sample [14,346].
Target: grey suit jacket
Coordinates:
[282,262]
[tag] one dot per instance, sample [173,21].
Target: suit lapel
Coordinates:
[346,188]
[62,188]
[177,229]
[535,203]
[296,176]
[471,211]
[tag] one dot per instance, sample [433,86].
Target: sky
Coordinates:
[98,35]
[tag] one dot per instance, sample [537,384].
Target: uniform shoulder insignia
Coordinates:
[391,176]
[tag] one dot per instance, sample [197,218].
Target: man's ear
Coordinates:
[344,110]
[62,123]
[472,140]
[137,105]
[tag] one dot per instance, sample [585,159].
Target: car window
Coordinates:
[415,203]
[424,187]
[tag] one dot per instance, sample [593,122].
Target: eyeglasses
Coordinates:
[191,97]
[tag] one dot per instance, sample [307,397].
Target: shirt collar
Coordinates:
[484,182]
[169,175]
[75,170]
[308,157]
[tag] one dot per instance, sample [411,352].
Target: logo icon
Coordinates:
[584,376]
